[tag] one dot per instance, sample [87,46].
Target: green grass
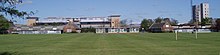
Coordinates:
[111,44]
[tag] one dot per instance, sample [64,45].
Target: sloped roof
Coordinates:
[32,18]
[157,25]
[76,26]
[134,26]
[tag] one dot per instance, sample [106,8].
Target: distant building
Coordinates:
[31,21]
[129,29]
[24,29]
[204,10]
[50,25]
[94,22]
[57,25]
[192,29]
[161,27]
[200,11]
[97,22]
[197,13]
[71,27]
[115,21]
[54,21]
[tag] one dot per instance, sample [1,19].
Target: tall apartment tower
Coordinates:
[200,11]
[196,13]
[204,10]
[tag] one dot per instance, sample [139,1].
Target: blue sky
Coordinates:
[135,10]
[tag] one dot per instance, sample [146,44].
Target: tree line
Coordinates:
[146,23]
[8,8]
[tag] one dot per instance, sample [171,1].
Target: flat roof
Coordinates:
[31,17]
[114,16]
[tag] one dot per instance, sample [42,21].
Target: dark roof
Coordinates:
[116,27]
[134,26]
[76,26]
[157,25]
[114,16]
[31,17]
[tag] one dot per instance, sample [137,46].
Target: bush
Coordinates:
[3,31]
[86,30]
[8,53]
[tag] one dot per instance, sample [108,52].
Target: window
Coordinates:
[30,29]
[167,29]
[42,29]
[112,30]
[18,28]
[69,30]
[54,28]
[167,26]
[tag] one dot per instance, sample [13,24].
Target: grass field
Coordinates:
[111,44]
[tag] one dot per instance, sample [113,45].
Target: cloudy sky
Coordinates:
[135,10]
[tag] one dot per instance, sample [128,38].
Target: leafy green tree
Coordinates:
[123,23]
[146,23]
[158,20]
[206,21]
[4,23]
[150,21]
[8,7]
[171,21]
[174,22]
[218,24]
[167,20]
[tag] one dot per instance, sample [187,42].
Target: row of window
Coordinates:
[118,30]
[95,22]
[37,29]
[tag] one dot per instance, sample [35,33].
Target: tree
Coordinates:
[146,23]
[123,23]
[4,24]
[8,7]
[150,21]
[158,20]
[174,22]
[217,24]
[206,21]
[171,21]
[167,20]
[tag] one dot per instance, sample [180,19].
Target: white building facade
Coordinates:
[200,11]
[94,22]
[204,10]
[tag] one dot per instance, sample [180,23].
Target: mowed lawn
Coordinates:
[111,44]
